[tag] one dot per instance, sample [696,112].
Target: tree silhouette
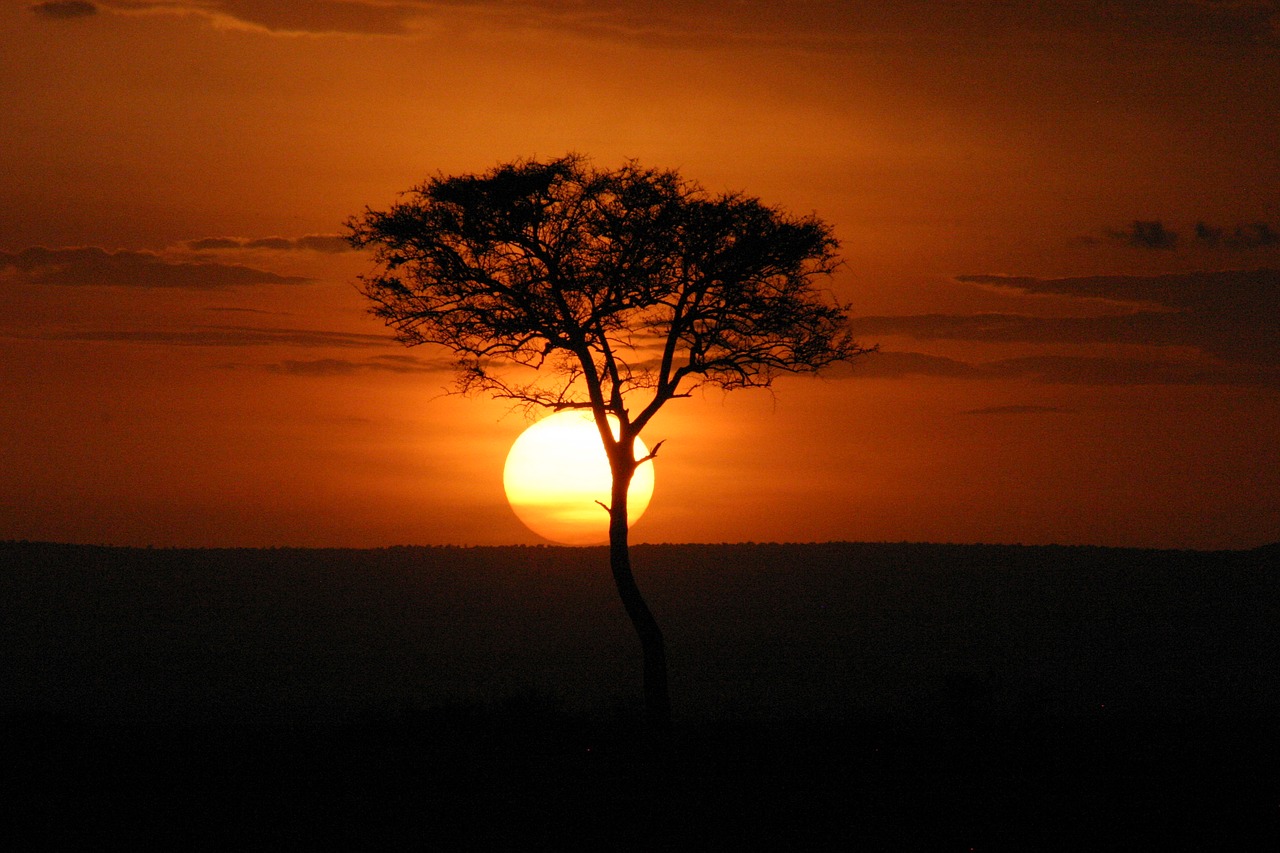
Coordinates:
[560,285]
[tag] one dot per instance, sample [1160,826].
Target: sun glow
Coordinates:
[556,472]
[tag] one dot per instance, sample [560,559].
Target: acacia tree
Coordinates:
[560,285]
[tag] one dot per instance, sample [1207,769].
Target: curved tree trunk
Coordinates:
[657,703]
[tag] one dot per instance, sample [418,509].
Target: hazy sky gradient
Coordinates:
[1061,223]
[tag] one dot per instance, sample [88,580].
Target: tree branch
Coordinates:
[653,454]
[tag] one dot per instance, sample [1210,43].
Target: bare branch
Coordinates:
[653,454]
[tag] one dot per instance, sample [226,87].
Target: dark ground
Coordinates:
[883,697]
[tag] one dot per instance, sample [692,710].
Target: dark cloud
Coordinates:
[95,266]
[277,243]
[1208,234]
[1255,235]
[1201,290]
[405,359]
[64,9]
[323,243]
[1231,314]
[638,20]
[1217,292]
[311,243]
[346,367]
[236,310]
[1059,370]
[225,336]
[1085,370]
[1015,410]
[798,24]
[214,243]
[316,367]
[883,364]
[1146,234]
[1154,234]
[356,17]
[1232,317]
[1150,328]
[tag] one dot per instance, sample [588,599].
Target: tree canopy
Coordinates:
[632,284]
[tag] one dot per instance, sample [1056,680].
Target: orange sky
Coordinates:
[184,359]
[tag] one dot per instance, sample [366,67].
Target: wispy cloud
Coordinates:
[1146,234]
[793,23]
[222,336]
[1016,410]
[1236,293]
[642,20]
[1090,370]
[64,9]
[96,266]
[1154,234]
[1255,235]
[1061,370]
[331,243]
[232,309]
[347,367]
[1137,328]
[312,17]
[1229,316]
[888,364]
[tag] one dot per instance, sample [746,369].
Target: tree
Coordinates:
[560,285]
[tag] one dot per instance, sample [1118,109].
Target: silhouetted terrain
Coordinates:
[896,695]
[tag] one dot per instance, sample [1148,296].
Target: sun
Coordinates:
[556,472]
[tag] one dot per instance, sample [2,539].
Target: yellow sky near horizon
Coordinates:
[160,389]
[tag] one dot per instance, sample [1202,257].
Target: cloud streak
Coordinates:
[1147,234]
[1255,235]
[329,243]
[889,364]
[1061,370]
[324,367]
[64,9]
[1229,314]
[1016,410]
[817,24]
[93,266]
[222,336]
[1087,370]
[1154,234]
[292,17]
[1223,291]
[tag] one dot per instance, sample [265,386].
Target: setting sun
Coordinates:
[556,472]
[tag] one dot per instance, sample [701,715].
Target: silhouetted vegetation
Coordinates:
[562,286]
[888,695]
